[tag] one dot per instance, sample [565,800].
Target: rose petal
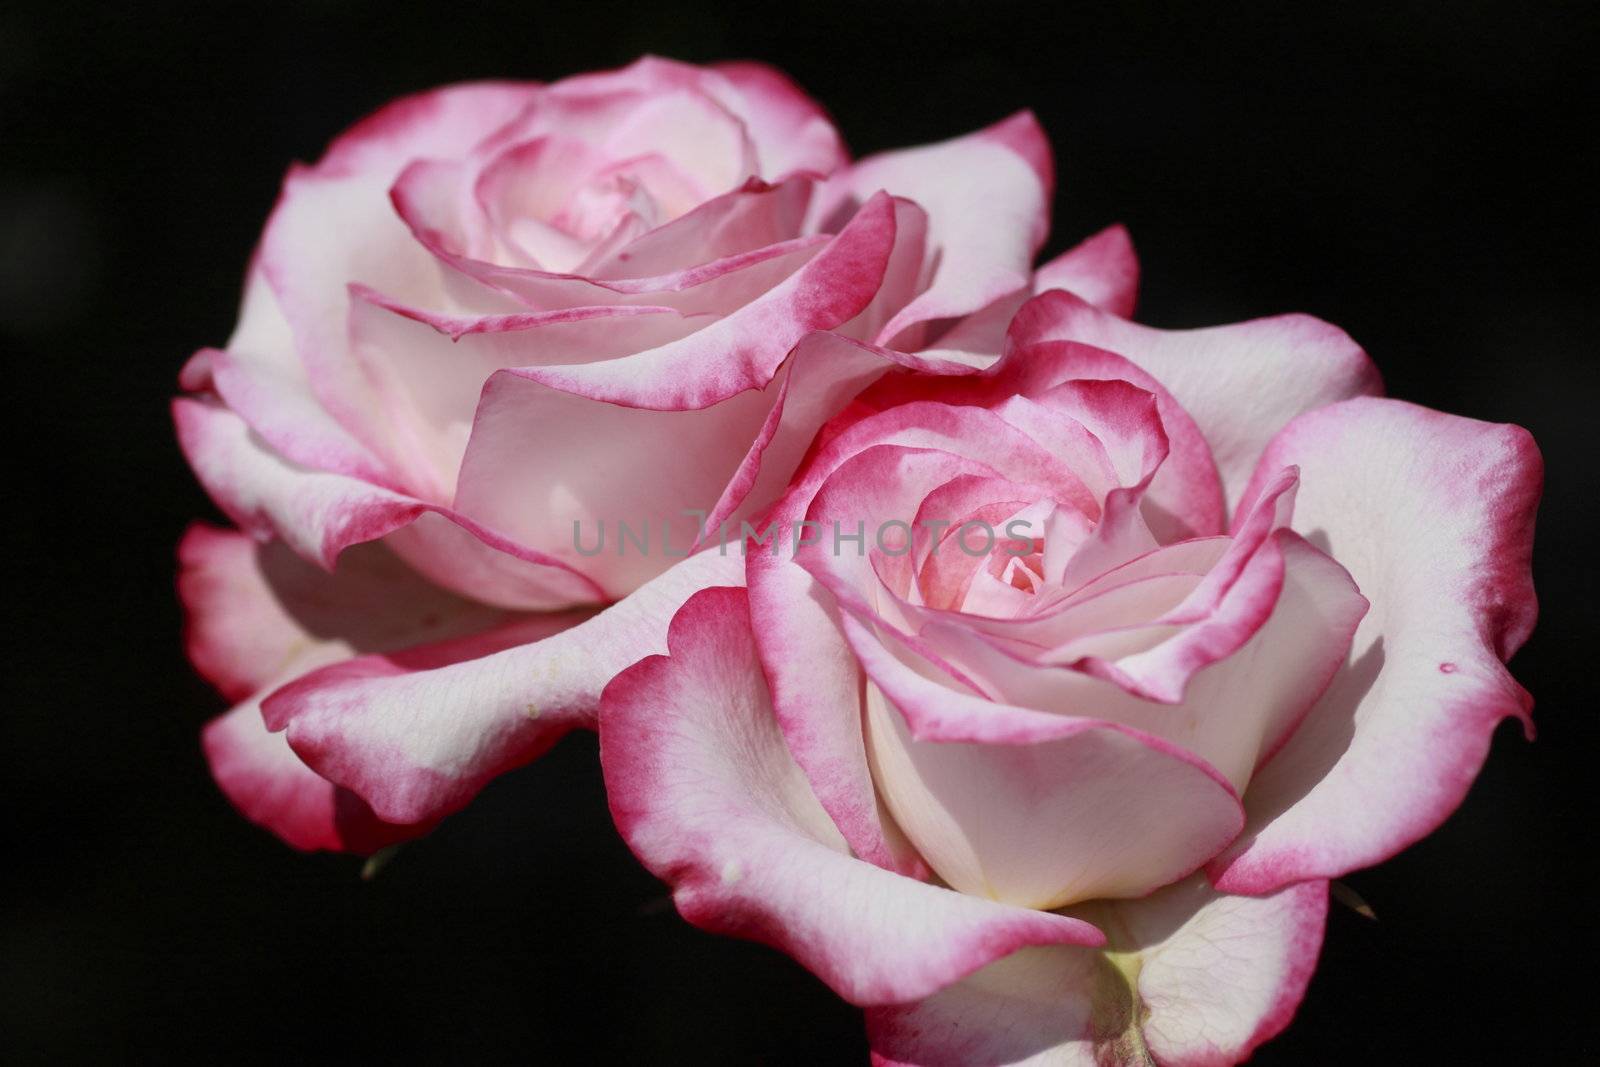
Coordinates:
[269,785]
[706,795]
[1285,365]
[1227,688]
[791,132]
[260,376]
[333,226]
[1103,270]
[428,371]
[704,139]
[1189,979]
[418,735]
[881,484]
[440,122]
[529,440]
[319,515]
[250,607]
[1184,498]
[518,193]
[744,349]
[971,780]
[1433,516]
[987,196]
[903,278]
[748,222]
[723,254]
[815,682]
[652,106]
[258,616]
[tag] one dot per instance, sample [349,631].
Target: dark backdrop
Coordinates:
[1418,175]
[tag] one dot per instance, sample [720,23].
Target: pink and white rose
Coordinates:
[1080,657]
[1149,635]
[495,315]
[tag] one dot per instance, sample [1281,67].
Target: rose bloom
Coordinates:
[1072,793]
[496,318]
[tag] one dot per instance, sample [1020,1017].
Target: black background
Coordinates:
[1419,175]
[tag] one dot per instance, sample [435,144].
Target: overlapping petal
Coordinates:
[792,134]
[1433,516]
[1101,269]
[814,677]
[707,796]
[987,198]
[1189,978]
[319,514]
[418,733]
[1285,366]
[743,350]
[971,781]
[307,253]
[1184,498]
[258,616]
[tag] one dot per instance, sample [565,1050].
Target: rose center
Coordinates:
[596,208]
[1019,564]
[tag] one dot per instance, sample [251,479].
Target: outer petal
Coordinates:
[333,225]
[1219,975]
[704,791]
[1433,516]
[260,376]
[987,196]
[417,735]
[1103,270]
[1189,979]
[251,608]
[1284,366]
[269,785]
[236,633]
[258,616]
[790,130]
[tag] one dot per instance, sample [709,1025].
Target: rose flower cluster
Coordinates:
[1024,672]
